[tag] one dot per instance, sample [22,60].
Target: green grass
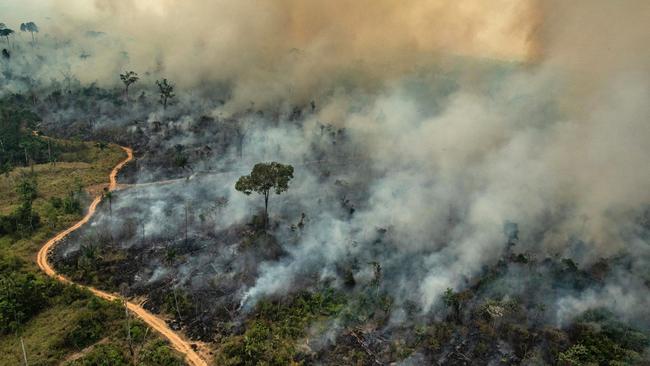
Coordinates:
[42,337]
[91,167]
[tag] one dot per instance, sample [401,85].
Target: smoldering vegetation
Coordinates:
[451,210]
[403,245]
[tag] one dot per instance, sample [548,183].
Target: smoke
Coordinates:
[449,119]
[558,147]
[283,50]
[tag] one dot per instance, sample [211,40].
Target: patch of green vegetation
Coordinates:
[178,304]
[102,355]
[155,353]
[600,339]
[134,348]
[158,354]
[89,325]
[51,318]
[23,296]
[367,305]
[18,144]
[23,219]
[270,336]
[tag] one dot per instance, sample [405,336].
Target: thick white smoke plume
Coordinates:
[463,115]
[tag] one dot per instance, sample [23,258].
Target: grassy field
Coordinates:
[55,181]
[90,166]
[70,321]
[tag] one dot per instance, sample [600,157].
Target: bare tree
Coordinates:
[67,79]
[178,310]
[109,196]
[166,91]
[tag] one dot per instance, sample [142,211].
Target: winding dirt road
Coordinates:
[153,321]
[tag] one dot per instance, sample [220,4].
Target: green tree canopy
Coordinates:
[30,27]
[264,179]
[128,78]
[6,32]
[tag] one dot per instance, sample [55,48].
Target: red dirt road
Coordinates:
[158,324]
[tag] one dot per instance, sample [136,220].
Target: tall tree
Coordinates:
[30,27]
[166,91]
[27,191]
[264,179]
[128,78]
[27,187]
[6,32]
[109,196]
[5,52]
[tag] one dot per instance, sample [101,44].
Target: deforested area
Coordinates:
[329,183]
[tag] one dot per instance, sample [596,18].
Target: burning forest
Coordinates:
[336,183]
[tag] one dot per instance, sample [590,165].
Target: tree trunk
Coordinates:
[186,222]
[178,310]
[128,328]
[49,151]
[22,344]
[266,210]
[31,216]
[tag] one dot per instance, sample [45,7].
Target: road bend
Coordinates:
[155,322]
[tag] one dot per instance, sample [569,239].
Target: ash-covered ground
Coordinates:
[180,236]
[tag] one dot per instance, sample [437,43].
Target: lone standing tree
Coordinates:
[6,32]
[265,178]
[30,27]
[128,78]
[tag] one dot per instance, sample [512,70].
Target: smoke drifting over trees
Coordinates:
[418,131]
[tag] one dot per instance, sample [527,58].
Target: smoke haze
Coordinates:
[281,50]
[465,115]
